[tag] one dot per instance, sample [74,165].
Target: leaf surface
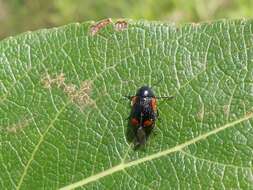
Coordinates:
[63,118]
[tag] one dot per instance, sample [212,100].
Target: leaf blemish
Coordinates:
[20,125]
[249,113]
[195,24]
[121,25]
[96,27]
[226,109]
[58,80]
[200,114]
[80,96]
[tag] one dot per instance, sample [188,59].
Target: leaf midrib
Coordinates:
[177,148]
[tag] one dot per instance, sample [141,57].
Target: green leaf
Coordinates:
[63,118]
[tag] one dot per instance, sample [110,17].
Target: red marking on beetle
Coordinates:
[148,123]
[96,27]
[121,25]
[134,122]
[153,104]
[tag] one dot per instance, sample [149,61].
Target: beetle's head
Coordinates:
[144,92]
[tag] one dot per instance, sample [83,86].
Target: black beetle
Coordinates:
[144,113]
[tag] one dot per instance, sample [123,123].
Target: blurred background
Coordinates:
[17,16]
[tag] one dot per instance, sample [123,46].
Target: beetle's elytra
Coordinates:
[144,113]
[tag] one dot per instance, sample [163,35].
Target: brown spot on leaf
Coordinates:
[80,96]
[249,113]
[46,81]
[20,125]
[98,26]
[58,80]
[200,114]
[194,24]
[121,25]
[226,109]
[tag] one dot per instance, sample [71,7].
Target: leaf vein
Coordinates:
[38,145]
[212,162]
[123,166]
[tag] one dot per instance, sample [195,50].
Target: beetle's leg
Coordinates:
[154,129]
[165,97]
[128,97]
[154,115]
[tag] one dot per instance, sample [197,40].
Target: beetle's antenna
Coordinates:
[162,97]
[165,97]
[128,97]
[157,82]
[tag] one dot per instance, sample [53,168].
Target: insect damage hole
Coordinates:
[121,25]
[79,96]
[98,26]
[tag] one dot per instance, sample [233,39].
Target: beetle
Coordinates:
[144,113]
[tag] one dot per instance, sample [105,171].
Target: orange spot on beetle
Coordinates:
[134,122]
[148,123]
[153,104]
